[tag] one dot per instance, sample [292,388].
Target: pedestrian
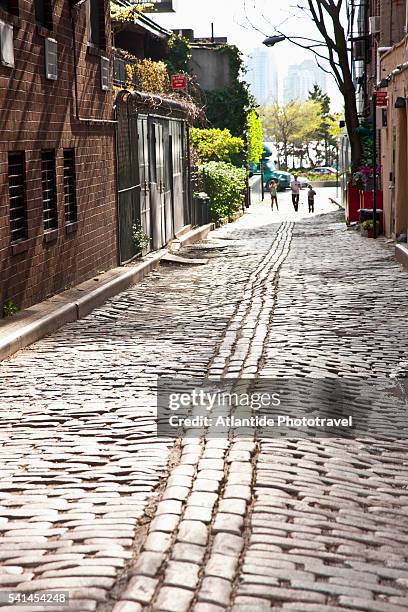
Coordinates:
[274,194]
[310,198]
[295,187]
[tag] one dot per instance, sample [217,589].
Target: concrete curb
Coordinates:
[195,235]
[70,305]
[333,201]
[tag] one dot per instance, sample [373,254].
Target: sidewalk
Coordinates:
[42,319]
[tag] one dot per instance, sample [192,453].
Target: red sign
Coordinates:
[382,98]
[179,82]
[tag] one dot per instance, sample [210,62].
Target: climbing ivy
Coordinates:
[228,108]
[178,54]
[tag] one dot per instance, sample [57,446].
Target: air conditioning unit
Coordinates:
[6,45]
[104,73]
[374,25]
[359,50]
[51,58]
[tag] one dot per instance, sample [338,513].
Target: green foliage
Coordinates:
[254,137]
[367,143]
[121,15]
[215,145]
[329,130]
[9,308]
[369,224]
[292,127]
[140,239]
[225,184]
[228,107]
[178,54]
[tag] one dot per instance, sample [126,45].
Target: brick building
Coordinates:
[394,135]
[58,222]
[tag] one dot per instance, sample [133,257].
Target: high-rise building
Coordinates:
[262,75]
[300,80]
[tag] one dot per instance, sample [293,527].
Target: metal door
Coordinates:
[144,181]
[177,173]
[168,182]
[127,181]
[157,185]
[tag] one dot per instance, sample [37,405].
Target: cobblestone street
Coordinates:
[93,502]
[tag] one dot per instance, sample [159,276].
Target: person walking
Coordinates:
[274,194]
[310,198]
[295,187]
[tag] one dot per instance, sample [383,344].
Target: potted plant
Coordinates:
[367,228]
[141,240]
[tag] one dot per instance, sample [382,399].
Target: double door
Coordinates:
[161,183]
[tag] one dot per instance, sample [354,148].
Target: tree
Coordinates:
[254,137]
[331,48]
[329,130]
[292,127]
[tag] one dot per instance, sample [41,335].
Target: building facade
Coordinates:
[300,80]
[394,136]
[262,76]
[58,223]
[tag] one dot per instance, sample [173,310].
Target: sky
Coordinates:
[246,24]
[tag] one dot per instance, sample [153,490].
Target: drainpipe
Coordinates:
[380,51]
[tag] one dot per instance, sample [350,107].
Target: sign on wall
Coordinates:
[179,82]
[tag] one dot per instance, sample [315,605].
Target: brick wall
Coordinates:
[35,114]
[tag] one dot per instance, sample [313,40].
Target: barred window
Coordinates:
[11,6]
[70,202]
[17,197]
[49,190]
[95,16]
[43,13]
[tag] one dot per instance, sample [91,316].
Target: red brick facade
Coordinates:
[37,114]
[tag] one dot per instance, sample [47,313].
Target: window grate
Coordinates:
[70,202]
[49,191]
[43,13]
[10,6]
[17,198]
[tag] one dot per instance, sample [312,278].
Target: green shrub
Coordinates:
[140,239]
[369,224]
[10,308]
[215,145]
[225,184]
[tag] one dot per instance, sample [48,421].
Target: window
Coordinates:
[51,58]
[17,198]
[10,6]
[49,191]
[70,203]
[43,13]
[96,23]
[6,45]
[104,73]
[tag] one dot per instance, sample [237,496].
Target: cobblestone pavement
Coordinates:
[239,524]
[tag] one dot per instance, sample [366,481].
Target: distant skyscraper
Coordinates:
[300,80]
[262,76]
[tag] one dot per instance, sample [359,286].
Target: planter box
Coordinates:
[352,204]
[367,199]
